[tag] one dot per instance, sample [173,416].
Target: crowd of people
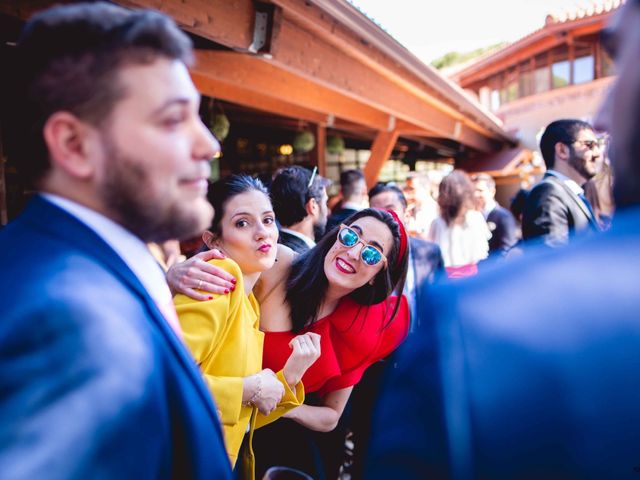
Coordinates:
[331,343]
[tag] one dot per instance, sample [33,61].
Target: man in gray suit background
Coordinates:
[556,208]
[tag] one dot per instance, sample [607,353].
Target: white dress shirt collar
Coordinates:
[573,186]
[310,243]
[488,207]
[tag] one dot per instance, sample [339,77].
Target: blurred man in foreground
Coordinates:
[546,386]
[95,381]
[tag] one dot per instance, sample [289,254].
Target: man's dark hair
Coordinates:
[562,131]
[348,181]
[382,187]
[68,58]
[307,283]
[290,192]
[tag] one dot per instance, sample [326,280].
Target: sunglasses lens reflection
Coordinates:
[370,256]
[348,237]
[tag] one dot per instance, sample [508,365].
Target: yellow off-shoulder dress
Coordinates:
[224,337]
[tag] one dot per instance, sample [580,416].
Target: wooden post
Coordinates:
[380,151]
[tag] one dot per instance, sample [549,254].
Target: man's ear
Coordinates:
[210,240]
[312,207]
[561,151]
[72,144]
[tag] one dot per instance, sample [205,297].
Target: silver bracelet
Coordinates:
[256,394]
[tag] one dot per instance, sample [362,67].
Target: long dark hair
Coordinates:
[307,283]
[221,191]
[455,196]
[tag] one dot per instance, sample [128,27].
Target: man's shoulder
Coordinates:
[420,245]
[579,280]
[499,212]
[294,243]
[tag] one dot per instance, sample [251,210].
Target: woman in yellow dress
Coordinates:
[223,332]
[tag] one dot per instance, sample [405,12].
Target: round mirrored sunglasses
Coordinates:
[370,255]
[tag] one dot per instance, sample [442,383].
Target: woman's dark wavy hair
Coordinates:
[223,190]
[307,283]
[455,196]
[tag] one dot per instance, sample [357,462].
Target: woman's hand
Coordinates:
[263,390]
[196,274]
[306,350]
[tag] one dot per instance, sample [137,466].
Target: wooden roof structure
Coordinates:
[558,30]
[323,62]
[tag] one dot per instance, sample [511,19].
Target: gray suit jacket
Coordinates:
[553,214]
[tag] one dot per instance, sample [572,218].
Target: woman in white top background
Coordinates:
[460,230]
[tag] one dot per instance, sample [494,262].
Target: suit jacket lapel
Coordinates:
[43,215]
[575,198]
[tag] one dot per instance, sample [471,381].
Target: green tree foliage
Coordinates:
[455,58]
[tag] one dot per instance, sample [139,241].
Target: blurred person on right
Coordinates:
[460,231]
[540,385]
[501,222]
[556,209]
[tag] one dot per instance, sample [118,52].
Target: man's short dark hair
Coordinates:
[68,58]
[484,178]
[348,181]
[290,192]
[561,131]
[382,187]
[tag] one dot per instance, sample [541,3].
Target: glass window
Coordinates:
[526,84]
[607,65]
[512,91]
[495,100]
[541,80]
[583,69]
[560,74]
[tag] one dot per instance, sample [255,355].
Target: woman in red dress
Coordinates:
[340,289]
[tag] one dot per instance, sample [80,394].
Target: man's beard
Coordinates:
[579,165]
[126,192]
[319,230]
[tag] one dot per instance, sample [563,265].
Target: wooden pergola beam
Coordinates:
[380,150]
[231,76]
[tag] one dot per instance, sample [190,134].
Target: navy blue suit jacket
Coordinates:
[504,230]
[93,382]
[546,386]
[294,243]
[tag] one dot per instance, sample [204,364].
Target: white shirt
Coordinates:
[488,208]
[462,244]
[573,186]
[310,243]
[130,248]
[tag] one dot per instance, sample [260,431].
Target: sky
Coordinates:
[431,28]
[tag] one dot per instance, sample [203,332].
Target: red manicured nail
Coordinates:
[210,298]
[233,280]
[233,287]
[226,290]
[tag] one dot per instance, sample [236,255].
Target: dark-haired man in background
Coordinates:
[544,382]
[353,188]
[95,380]
[300,203]
[556,209]
[501,222]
